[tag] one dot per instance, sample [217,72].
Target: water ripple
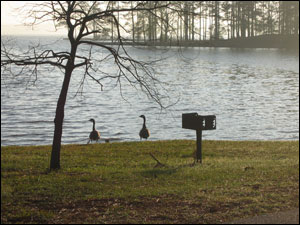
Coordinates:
[254,93]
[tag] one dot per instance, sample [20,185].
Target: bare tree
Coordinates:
[83,19]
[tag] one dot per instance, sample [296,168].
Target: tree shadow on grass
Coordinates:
[155,172]
[165,170]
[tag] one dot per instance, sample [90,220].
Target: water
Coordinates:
[254,94]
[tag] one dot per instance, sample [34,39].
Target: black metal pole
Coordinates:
[199,145]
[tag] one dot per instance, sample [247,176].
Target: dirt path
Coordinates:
[288,217]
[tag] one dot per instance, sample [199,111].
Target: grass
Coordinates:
[120,183]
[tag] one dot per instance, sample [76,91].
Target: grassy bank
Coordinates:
[121,182]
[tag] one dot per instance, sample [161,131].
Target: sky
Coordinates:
[12,22]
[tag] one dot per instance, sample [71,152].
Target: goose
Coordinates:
[144,132]
[94,135]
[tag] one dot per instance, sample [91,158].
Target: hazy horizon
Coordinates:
[12,22]
[21,30]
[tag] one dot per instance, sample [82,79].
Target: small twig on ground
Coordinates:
[159,164]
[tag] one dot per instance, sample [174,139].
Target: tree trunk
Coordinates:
[59,118]
[186,22]
[132,21]
[216,20]
[193,21]
[200,25]
[166,25]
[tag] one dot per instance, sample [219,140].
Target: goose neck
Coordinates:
[144,125]
[94,125]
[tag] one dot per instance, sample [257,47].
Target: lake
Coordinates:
[254,94]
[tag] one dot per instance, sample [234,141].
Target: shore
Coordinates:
[264,41]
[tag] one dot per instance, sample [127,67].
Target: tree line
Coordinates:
[199,20]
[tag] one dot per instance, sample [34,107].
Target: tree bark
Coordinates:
[59,118]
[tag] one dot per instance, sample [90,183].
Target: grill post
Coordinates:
[199,145]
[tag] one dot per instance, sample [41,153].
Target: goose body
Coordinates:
[94,135]
[144,132]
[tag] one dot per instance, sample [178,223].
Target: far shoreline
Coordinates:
[262,41]
[290,42]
